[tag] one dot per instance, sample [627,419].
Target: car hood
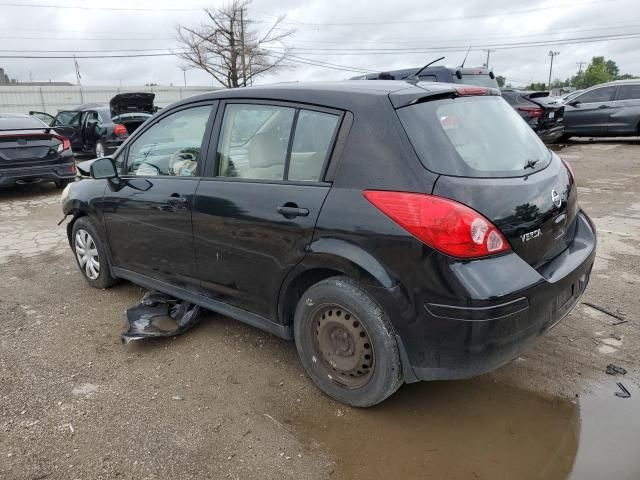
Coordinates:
[131,102]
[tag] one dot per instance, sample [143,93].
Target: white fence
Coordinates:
[22,99]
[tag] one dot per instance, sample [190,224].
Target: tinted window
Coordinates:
[428,78]
[598,95]
[171,146]
[473,137]
[254,140]
[311,143]
[629,92]
[20,122]
[68,118]
[479,80]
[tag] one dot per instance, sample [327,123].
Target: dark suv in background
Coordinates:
[397,231]
[477,76]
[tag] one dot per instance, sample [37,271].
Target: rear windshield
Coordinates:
[473,137]
[13,123]
[478,80]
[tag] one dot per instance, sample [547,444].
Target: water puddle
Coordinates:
[480,429]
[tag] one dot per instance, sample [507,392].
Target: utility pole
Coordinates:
[184,74]
[242,47]
[552,54]
[580,64]
[78,76]
[489,51]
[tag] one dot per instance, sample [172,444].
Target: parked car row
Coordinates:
[39,146]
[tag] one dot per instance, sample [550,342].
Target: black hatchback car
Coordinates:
[397,232]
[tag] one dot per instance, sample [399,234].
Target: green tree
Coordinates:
[501,80]
[597,72]
[612,68]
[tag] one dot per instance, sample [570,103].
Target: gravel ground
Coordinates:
[228,401]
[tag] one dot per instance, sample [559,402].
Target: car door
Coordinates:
[147,212]
[588,113]
[43,116]
[624,118]
[256,209]
[89,127]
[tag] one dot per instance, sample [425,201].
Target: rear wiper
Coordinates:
[531,163]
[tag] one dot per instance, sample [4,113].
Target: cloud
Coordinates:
[388,25]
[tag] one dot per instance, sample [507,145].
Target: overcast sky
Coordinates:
[323,30]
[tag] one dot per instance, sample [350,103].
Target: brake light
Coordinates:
[533,112]
[570,168]
[471,91]
[120,129]
[446,225]
[65,145]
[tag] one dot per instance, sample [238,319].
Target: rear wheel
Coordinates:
[63,183]
[346,343]
[91,254]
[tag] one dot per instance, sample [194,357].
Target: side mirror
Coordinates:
[103,168]
[574,103]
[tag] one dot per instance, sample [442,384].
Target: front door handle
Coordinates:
[603,106]
[291,210]
[177,201]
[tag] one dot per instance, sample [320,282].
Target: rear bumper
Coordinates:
[552,134]
[509,306]
[49,173]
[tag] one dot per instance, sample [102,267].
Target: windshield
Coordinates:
[15,123]
[478,80]
[473,137]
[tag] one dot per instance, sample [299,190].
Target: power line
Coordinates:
[442,19]
[82,7]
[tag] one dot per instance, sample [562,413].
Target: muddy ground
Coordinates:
[228,401]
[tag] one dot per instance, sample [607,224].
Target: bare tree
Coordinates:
[224,47]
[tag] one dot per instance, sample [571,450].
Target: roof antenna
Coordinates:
[465,57]
[414,76]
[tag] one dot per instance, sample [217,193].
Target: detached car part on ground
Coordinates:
[398,232]
[98,128]
[32,152]
[543,115]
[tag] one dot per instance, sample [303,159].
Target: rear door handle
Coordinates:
[603,106]
[291,210]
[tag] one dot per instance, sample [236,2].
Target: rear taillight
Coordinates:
[532,112]
[446,225]
[65,145]
[120,130]
[570,168]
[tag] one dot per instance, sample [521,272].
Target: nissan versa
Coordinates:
[397,231]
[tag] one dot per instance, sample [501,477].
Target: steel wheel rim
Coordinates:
[87,254]
[99,150]
[342,348]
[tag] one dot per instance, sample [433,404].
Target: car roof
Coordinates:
[344,94]
[14,115]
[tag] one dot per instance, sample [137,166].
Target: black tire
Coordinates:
[564,138]
[352,305]
[63,183]
[104,279]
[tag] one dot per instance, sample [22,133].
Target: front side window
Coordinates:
[170,147]
[68,118]
[598,95]
[629,92]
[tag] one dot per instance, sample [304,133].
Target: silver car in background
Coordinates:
[607,110]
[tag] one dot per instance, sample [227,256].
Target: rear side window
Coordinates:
[255,142]
[629,92]
[598,95]
[473,137]
[478,80]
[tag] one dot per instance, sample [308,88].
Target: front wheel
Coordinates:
[346,343]
[90,254]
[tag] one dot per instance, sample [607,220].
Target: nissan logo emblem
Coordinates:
[555,198]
